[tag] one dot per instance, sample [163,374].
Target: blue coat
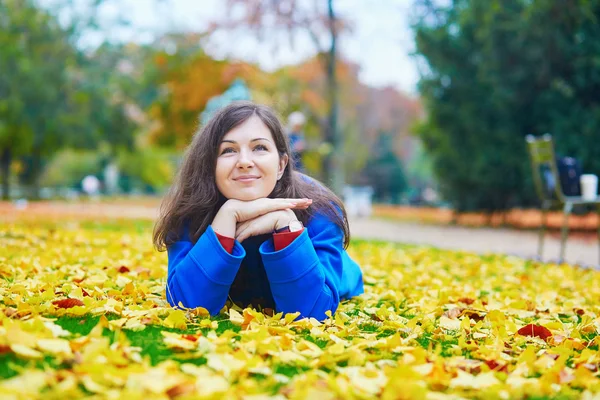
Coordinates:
[311,275]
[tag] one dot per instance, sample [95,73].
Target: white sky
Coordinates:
[381,40]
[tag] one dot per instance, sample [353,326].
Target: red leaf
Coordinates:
[474,315]
[466,300]
[192,338]
[123,269]
[67,303]
[4,348]
[85,293]
[535,330]
[495,366]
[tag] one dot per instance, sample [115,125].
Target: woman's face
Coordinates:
[248,163]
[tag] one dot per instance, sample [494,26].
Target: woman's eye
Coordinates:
[261,147]
[227,150]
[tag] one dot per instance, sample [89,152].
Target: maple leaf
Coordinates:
[123,269]
[67,303]
[535,330]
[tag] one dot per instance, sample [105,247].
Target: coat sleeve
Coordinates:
[201,274]
[310,274]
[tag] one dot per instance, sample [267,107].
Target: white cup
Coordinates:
[589,186]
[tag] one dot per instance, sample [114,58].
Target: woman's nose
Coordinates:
[245,159]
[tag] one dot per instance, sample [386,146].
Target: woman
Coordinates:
[239,222]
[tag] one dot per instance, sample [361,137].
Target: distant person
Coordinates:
[240,223]
[91,186]
[296,121]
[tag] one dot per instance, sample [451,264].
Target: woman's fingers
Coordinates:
[240,229]
[243,235]
[256,208]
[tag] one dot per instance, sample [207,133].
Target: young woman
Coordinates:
[240,223]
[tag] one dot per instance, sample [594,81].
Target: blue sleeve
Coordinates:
[312,273]
[201,274]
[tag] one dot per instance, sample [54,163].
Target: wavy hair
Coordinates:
[194,200]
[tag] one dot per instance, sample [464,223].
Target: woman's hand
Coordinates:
[247,210]
[234,212]
[266,223]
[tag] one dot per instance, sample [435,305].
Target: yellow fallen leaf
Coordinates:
[55,346]
[468,381]
[235,317]
[28,382]
[176,319]
[25,352]
[449,324]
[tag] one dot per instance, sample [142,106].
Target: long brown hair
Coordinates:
[194,200]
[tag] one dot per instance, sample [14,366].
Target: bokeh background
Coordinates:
[427,103]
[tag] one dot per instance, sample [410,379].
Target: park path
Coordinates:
[479,240]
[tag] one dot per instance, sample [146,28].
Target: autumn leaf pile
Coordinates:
[84,314]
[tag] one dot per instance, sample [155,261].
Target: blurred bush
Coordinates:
[69,167]
[150,170]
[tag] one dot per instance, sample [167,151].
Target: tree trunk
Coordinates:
[36,170]
[333,166]
[5,160]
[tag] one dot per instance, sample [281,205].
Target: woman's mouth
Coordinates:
[246,178]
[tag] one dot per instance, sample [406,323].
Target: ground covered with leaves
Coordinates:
[84,314]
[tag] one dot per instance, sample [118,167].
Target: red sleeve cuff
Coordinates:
[226,242]
[282,240]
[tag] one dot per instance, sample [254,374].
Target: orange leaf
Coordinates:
[4,348]
[466,300]
[535,330]
[181,389]
[67,303]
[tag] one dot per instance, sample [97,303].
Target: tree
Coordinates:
[37,58]
[297,17]
[188,78]
[496,71]
[384,171]
[53,94]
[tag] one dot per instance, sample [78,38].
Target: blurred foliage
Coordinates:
[67,111]
[188,79]
[384,170]
[52,94]
[497,70]
[152,168]
[39,67]
[69,167]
